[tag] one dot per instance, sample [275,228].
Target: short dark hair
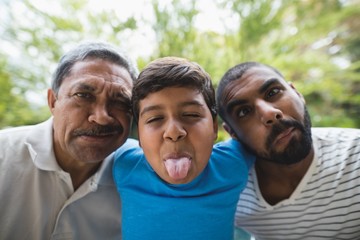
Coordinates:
[235,73]
[88,50]
[173,72]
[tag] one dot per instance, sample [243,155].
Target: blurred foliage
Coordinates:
[315,44]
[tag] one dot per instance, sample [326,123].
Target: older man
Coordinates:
[54,182]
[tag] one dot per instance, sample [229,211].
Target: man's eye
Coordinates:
[84,95]
[119,104]
[273,92]
[242,112]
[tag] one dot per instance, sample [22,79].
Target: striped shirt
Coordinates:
[325,204]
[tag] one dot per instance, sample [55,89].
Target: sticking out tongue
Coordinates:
[178,168]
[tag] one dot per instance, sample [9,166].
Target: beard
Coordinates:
[297,149]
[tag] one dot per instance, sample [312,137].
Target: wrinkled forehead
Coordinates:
[96,75]
[100,68]
[117,88]
[99,85]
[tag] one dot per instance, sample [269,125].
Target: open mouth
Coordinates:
[178,167]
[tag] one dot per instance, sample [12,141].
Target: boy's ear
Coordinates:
[216,129]
[138,136]
[229,130]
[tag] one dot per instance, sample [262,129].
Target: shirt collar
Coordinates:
[40,145]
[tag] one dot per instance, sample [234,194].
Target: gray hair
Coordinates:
[87,50]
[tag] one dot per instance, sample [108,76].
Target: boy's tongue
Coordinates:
[178,168]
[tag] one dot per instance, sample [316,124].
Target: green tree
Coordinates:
[301,39]
[309,41]
[37,38]
[314,43]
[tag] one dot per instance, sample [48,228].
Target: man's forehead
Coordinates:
[254,79]
[251,83]
[99,82]
[102,69]
[100,85]
[260,72]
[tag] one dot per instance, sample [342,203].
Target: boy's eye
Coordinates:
[191,115]
[153,119]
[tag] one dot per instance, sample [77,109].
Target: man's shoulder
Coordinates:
[20,131]
[328,133]
[14,137]
[11,131]
[17,138]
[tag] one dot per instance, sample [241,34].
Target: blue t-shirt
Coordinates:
[202,209]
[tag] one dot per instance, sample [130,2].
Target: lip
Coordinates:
[177,156]
[99,138]
[285,136]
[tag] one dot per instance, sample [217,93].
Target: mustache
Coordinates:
[99,130]
[280,127]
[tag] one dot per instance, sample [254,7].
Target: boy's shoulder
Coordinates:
[130,148]
[125,159]
[130,143]
[228,143]
[232,146]
[230,151]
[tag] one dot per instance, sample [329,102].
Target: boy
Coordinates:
[169,188]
